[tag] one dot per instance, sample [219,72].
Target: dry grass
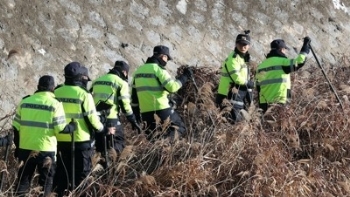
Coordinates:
[299,150]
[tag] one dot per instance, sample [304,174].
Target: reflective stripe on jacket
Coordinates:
[39,118]
[236,72]
[153,85]
[111,89]
[74,98]
[274,83]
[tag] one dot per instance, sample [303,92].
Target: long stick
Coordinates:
[73,159]
[324,74]
[5,159]
[106,149]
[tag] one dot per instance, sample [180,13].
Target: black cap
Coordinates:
[161,49]
[46,83]
[278,44]
[75,69]
[243,39]
[72,69]
[121,65]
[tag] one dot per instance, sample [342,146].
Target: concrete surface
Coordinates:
[44,35]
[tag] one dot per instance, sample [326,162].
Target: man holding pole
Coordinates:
[273,74]
[74,152]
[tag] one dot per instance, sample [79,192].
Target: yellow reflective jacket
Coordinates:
[77,103]
[39,118]
[113,90]
[153,85]
[274,83]
[234,71]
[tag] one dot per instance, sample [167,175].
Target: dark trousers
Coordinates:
[83,165]
[44,162]
[240,100]
[116,141]
[176,123]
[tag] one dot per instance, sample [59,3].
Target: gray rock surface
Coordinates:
[46,35]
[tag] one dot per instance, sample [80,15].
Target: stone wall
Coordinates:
[46,35]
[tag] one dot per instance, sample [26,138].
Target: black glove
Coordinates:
[250,84]
[247,58]
[70,128]
[307,40]
[132,119]
[188,72]
[306,45]
[103,119]
[183,79]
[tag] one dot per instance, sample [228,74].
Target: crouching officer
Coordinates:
[111,96]
[79,105]
[150,89]
[39,118]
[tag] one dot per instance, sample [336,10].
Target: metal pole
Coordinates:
[324,74]
[73,159]
[5,159]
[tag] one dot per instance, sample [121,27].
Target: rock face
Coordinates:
[44,36]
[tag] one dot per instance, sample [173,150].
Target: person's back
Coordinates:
[112,97]
[74,98]
[150,89]
[39,119]
[37,123]
[153,85]
[273,74]
[78,105]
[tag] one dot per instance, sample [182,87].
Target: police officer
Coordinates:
[273,74]
[235,74]
[111,96]
[150,89]
[78,105]
[39,118]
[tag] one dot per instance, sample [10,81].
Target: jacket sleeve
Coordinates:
[294,64]
[16,123]
[90,110]
[124,98]
[234,67]
[170,84]
[59,118]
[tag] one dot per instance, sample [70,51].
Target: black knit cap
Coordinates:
[161,49]
[121,65]
[46,83]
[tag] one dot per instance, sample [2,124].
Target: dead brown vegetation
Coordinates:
[298,150]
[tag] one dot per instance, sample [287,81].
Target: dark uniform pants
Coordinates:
[45,164]
[240,100]
[176,123]
[83,165]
